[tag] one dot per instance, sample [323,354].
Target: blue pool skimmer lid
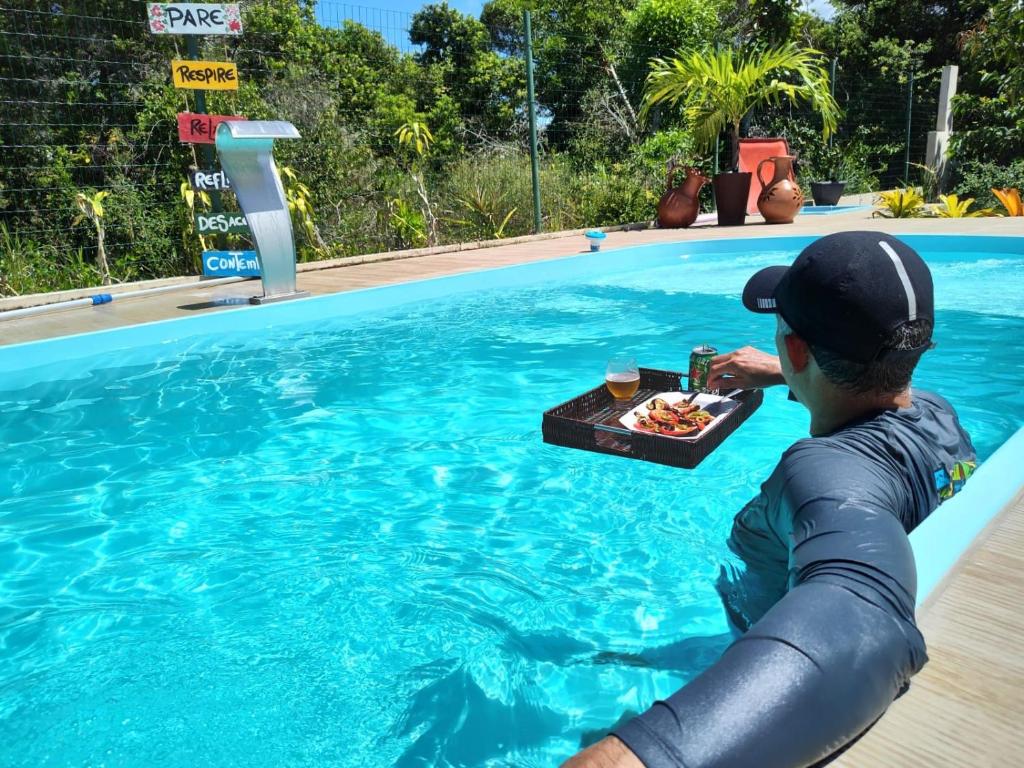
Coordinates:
[938,542]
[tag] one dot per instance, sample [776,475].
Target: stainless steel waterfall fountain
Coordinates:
[246,149]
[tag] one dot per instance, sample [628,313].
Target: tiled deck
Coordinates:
[393,268]
[964,709]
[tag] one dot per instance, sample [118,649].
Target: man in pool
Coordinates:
[826,586]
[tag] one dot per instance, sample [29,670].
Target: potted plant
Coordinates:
[716,90]
[828,189]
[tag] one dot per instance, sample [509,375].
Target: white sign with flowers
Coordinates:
[194,19]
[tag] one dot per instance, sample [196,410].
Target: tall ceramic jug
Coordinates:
[781,198]
[679,206]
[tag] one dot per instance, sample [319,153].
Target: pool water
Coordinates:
[346,544]
[826,210]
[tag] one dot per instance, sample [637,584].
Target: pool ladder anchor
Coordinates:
[246,150]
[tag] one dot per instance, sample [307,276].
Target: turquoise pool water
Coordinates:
[345,544]
[826,210]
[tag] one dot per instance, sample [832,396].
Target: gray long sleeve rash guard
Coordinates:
[829,587]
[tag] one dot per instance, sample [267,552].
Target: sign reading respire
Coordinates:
[205,75]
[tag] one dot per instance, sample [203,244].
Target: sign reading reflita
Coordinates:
[194,19]
[231,264]
[208,181]
[207,75]
[218,223]
[195,128]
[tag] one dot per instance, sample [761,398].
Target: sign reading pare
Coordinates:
[194,128]
[208,75]
[194,19]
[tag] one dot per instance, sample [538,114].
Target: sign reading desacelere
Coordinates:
[213,223]
[194,19]
[231,264]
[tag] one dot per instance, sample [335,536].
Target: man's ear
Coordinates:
[798,352]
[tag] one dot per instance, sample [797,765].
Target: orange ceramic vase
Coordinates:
[780,198]
[679,206]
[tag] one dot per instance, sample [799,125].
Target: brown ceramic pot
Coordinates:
[780,198]
[679,206]
[731,191]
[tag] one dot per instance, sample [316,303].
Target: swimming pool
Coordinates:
[826,210]
[328,533]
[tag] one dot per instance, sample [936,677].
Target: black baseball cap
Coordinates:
[848,292]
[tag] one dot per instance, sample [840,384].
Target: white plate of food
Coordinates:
[679,415]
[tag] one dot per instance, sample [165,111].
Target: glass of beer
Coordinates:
[622,378]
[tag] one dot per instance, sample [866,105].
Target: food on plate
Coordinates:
[679,420]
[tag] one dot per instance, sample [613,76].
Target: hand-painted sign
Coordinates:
[194,19]
[213,223]
[208,75]
[231,264]
[204,181]
[194,128]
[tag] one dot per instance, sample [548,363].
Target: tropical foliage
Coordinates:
[901,204]
[952,207]
[716,90]
[421,137]
[1010,198]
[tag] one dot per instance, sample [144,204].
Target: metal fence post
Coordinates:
[531,106]
[832,87]
[910,113]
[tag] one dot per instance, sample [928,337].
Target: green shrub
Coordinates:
[976,179]
[616,197]
[27,266]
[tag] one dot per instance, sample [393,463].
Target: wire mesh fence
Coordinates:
[87,109]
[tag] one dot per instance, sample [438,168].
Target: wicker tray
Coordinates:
[591,422]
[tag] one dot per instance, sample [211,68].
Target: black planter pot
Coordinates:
[731,191]
[827,192]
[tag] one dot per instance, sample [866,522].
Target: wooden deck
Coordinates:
[965,709]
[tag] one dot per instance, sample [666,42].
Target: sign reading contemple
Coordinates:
[205,181]
[231,264]
[213,223]
[208,75]
[194,128]
[194,19]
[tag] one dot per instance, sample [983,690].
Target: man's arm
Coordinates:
[609,752]
[745,368]
[821,666]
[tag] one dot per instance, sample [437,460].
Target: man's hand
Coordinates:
[609,752]
[745,368]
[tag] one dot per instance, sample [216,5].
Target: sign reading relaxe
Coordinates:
[207,223]
[206,180]
[194,128]
[231,264]
[194,19]
[208,75]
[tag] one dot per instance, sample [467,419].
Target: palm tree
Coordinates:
[716,90]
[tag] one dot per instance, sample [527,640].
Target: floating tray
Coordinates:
[590,422]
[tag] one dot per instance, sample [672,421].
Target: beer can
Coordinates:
[700,366]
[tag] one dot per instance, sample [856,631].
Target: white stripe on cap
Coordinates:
[766,303]
[904,278]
